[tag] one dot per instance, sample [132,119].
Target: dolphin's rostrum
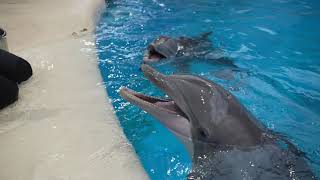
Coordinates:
[224,139]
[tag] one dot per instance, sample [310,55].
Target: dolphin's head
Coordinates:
[161,48]
[198,109]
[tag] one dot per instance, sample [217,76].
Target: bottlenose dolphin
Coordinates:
[227,141]
[185,49]
[166,47]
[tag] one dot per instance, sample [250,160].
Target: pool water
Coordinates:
[275,44]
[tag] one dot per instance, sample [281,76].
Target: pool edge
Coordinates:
[55,130]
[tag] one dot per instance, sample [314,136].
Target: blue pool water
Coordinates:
[275,42]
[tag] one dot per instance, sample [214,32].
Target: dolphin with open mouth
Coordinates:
[165,47]
[185,49]
[223,138]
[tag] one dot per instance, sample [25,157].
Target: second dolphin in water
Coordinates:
[223,138]
[185,49]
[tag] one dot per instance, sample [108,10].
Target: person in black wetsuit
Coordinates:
[8,92]
[13,70]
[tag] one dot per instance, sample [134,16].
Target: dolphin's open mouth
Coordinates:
[167,105]
[167,111]
[153,55]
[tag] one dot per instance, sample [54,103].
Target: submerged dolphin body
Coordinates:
[184,50]
[227,141]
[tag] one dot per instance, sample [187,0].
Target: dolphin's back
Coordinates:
[263,162]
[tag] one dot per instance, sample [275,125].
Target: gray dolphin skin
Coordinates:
[165,47]
[226,141]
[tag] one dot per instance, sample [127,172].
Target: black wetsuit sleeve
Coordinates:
[13,67]
[8,92]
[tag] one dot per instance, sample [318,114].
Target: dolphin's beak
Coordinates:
[165,83]
[154,76]
[165,110]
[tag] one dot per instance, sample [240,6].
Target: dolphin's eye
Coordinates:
[202,133]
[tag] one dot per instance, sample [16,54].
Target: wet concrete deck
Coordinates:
[62,127]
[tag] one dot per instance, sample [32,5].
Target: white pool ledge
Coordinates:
[62,127]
